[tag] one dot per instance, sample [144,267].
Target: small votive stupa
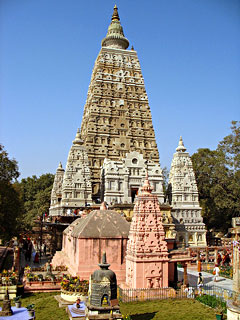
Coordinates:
[6,308]
[103,303]
[147,252]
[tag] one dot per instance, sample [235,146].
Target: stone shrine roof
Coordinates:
[99,224]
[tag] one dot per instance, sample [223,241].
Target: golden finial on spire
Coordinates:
[115,16]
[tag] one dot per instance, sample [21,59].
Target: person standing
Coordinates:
[216,272]
[45,249]
[200,283]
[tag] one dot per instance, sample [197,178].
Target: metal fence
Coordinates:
[130,295]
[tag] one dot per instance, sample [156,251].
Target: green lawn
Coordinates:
[185,309]
[46,307]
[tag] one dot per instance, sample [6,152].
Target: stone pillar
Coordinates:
[215,255]
[207,255]
[175,272]
[185,276]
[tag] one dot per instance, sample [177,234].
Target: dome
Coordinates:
[100,224]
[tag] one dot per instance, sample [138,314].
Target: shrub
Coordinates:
[213,302]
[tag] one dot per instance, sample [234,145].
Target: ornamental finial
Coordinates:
[146,188]
[115,16]
[115,37]
[78,139]
[181,147]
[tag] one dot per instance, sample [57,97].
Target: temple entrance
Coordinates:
[134,193]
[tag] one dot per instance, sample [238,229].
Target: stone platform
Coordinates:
[61,302]
[75,313]
[18,314]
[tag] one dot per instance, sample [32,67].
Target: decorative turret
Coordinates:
[181,147]
[72,189]
[78,139]
[56,195]
[183,196]
[115,37]
[147,252]
[60,168]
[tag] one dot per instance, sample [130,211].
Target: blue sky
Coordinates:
[189,51]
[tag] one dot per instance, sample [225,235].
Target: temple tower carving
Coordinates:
[147,252]
[183,197]
[72,189]
[121,180]
[117,117]
[56,195]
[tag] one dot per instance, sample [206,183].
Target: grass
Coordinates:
[46,307]
[184,309]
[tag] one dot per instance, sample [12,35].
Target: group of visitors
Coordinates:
[31,251]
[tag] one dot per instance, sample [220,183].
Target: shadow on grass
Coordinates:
[143,316]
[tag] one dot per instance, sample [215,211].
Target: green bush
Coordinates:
[213,302]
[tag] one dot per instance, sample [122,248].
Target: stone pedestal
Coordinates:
[233,308]
[6,308]
[233,312]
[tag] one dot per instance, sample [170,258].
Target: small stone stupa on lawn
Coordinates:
[103,303]
[147,252]
[6,308]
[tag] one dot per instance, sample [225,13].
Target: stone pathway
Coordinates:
[30,263]
[223,283]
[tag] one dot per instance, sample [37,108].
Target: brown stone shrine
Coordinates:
[103,303]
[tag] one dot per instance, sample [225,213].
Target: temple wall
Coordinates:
[82,255]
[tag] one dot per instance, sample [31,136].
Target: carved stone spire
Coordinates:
[147,252]
[183,196]
[115,37]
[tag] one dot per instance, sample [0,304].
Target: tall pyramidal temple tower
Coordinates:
[183,196]
[117,117]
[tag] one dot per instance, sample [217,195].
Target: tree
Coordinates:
[218,179]
[8,168]
[36,194]
[10,202]
[230,147]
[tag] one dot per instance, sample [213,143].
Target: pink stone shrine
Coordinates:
[147,252]
[85,240]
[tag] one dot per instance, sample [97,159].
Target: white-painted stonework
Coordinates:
[72,189]
[120,180]
[183,197]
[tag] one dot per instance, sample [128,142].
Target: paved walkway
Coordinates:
[30,263]
[223,283]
